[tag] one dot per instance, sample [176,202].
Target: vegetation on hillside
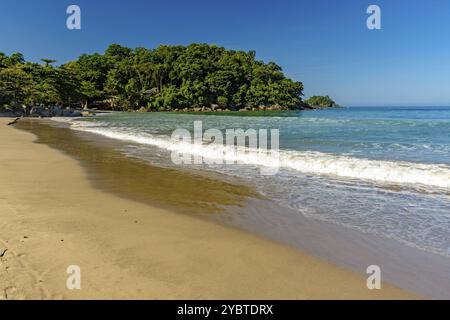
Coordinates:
[321,102]
[166,78]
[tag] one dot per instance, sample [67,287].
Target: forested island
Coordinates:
[320,102]
[198,77]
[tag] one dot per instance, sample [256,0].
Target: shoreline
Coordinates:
[49,112]
[53,216]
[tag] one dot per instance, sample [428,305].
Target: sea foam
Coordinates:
[311,162]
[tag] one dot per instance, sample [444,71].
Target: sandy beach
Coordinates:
[52,216]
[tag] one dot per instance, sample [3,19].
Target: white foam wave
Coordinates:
[391,172]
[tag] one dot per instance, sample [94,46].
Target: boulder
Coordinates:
[36,111]
[45,114]
[56,111]
[66,113]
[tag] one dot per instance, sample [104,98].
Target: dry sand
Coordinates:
[52,217]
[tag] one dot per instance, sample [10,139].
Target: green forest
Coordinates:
[321,102]
[165,78]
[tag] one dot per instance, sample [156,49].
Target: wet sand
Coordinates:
[134,232]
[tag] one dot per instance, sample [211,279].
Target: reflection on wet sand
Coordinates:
[111,171]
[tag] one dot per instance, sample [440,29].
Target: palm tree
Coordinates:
[48,61]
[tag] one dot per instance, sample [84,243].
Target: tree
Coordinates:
[91,73]
[321,102]
[172,77]
[48,61]
[16,58]
[15,87]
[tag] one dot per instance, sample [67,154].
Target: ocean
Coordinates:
[378,170]
[383,172]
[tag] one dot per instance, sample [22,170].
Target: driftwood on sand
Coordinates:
[13,122]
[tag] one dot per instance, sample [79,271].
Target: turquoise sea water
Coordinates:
[380,171]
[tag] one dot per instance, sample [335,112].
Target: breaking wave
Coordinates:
[390,172]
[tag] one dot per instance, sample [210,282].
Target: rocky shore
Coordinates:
[218,108]
[46,112]
[57,111]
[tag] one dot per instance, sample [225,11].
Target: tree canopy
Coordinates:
[165,78]
[321,102]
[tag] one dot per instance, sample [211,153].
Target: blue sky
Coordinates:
[323,43]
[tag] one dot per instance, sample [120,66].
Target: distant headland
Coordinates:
[194,78]
[320,102]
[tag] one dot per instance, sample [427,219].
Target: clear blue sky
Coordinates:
[323,43]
